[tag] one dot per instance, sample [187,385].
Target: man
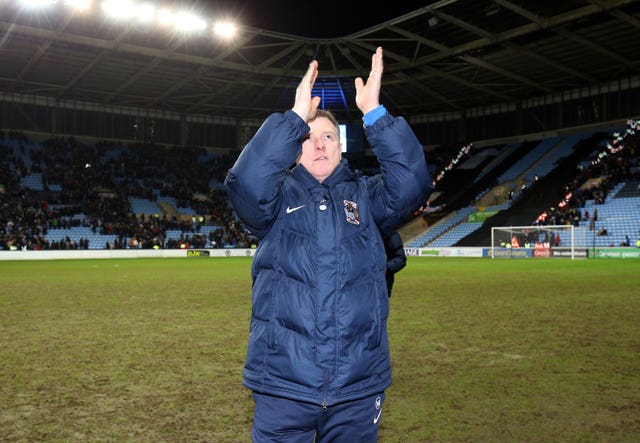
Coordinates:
[318,356]
[396,257]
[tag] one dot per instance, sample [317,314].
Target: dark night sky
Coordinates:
[320,19]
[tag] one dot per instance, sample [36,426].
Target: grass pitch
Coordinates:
[151,350]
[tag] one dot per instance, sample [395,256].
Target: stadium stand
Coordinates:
[504,152]
[535,165]
[442,227]
[543,147]
[631,188]
[32,181]
[619,216]
[61,194]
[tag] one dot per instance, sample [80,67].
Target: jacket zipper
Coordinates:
[325,402]
[325,394]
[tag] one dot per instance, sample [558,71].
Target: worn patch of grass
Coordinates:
[515,350]
[482,351]
[123,350]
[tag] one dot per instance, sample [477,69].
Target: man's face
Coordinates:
[321,150]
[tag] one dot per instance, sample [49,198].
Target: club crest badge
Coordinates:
[351,211]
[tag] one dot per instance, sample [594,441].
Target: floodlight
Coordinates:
[120,9]
[188,22]
[36,4]
[165,16]
[145,12]
[224,29]
[78,5]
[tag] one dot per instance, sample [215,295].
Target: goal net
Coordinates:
[536,241]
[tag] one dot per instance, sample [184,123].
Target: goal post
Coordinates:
[534,241]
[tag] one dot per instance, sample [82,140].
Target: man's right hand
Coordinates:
[305,105]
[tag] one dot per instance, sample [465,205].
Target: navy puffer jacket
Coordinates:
[318,326]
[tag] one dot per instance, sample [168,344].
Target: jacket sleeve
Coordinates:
[404,182]
[254,182]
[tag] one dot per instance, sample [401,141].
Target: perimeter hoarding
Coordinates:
[536,253]
[617,253]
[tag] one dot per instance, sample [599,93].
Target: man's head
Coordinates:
[321,148]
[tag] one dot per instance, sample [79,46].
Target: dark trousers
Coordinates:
[277,419]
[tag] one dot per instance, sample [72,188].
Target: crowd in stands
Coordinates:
[608,167]
[445,159]
[445,166]
[90,186]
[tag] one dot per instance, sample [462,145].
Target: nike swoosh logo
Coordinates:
[375,420]
[290,209]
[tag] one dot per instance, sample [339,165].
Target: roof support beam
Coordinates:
[35,58]
[544,22]
[498,70]
[97,59]
[482,63]
[542,59]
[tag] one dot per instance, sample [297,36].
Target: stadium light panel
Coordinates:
[127,10]
[145,13]
[119,9]
[79,5]
[165,17]
[37,4]
[188,22]
[224,29]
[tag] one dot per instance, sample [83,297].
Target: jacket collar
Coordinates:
[340,174]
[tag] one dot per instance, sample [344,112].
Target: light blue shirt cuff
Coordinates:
[372,116]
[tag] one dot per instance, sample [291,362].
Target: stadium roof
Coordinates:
[446,56]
